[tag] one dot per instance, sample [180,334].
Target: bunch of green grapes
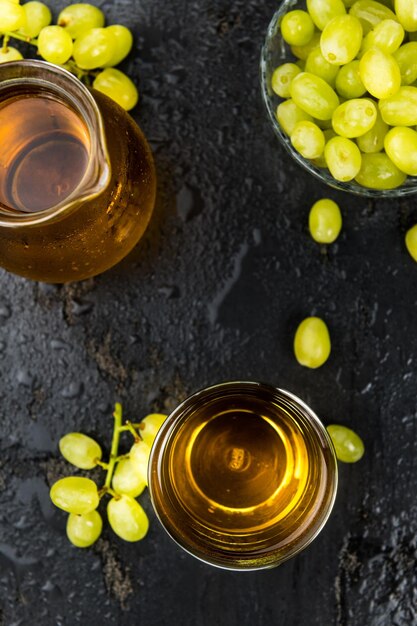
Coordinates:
[126,478]
[350,91]
[79,42]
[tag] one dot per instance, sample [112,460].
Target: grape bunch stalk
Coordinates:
[79,42]
[126,478]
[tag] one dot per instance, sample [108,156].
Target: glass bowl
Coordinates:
[276,51]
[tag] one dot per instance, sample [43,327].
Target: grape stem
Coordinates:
[5,42]
[129,427]
[33,42]
[114,444]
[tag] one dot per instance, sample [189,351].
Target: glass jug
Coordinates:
[77,178]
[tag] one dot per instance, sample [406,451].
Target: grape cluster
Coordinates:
[350,94]
[126,478]
[79,42]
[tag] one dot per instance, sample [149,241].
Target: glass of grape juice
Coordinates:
[243,475]
[77,178]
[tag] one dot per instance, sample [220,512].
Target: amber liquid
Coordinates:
[241,479]
[44,152]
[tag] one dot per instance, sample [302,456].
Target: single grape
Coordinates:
[380,73]
[150,426]
[297,28]
[343,158]
[411,241]
[55,45]
[308,139]
[127,518]
[401,146]
[354,117]
[377,171]
[341,39]
[388,36]
[400,109]
[84,530]
[9,54]
[281,79]
[373,140]
[406,57]
[139,455]
[127,480]
[348,445]
[117,86]
[406,11]
[371,13]
[322,11]
[37,16]
[288,114]
[12,16]
[80,450]
[312,94]
[317,64]
[123,43]
[78,19]
[312,342]
[302,52]
[94,48]
[348,81]
[75,495]
[325,221]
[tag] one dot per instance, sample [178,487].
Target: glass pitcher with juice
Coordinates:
[77,178]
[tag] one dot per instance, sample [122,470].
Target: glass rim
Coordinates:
[65,85]
[174,418]
[407,189]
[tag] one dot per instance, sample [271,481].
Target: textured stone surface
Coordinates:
[215,291]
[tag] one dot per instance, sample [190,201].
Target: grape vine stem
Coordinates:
[114,444]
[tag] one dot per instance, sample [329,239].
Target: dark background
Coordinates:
[214,291]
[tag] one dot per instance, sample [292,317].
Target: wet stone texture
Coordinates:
[215,291]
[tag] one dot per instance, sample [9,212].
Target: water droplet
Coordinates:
[189,203]
[215,304]
[73,390]
[24,378]
[5,311]
[81,308]
[170,292]
[58,344]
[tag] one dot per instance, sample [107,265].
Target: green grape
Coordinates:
[12,16]
[325,221]
[411,241]
[127,518]
[371,13]
[297,28]
[84,530]
[317,64]
[75,495]
[124,41]
[406,57]
[322,11]
[139,455]
[400,109]
[302,52]
[348,445]
[94,48]
[343,158]
[55,45]
[341,39]
[379,172]
[78,19]
[37,16]
[312,94]
[9,54]
[288,114]
[348,81]
[401,146]
[321,161]
[117,86]
[373,140]
[150,426]
[308,139]
[406,11]
[380,73]
[80,450]
[312,343]
[282,77]
[348,3]
[354,117]
[388,36]
[127,480]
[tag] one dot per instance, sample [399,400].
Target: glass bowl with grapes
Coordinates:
[339,81]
